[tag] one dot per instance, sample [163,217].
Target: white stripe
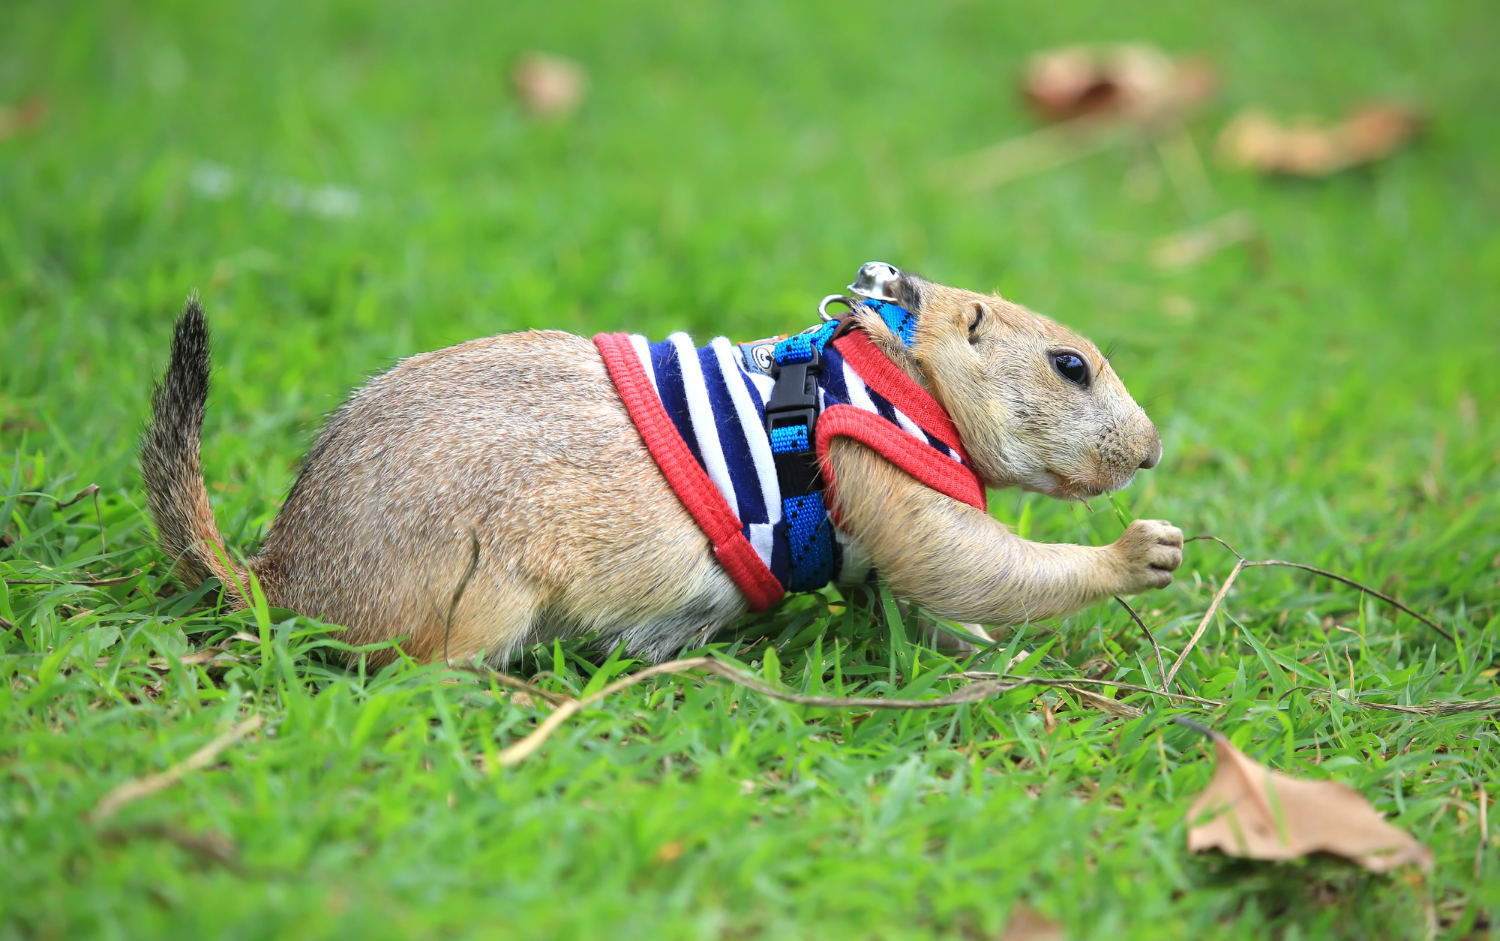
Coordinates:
[856,387]
[909,425]
[755,434]
[762,538]
[643,351]
[763,385]
[858,396]
[701,411]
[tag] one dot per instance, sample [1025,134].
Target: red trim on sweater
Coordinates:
[928,465]
[686,476]
[896,387]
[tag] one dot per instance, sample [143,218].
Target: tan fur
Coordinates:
[1023,425]
[522,441]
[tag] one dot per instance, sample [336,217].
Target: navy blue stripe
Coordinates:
[760,406]
[733,443]
[886,409]
[668,369]
[781,555]
[831,377]
[938,445]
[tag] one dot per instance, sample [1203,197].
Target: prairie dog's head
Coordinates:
[1037,405]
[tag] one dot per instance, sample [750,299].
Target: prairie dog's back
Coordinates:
[519,438]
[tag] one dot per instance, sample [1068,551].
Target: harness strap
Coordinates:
[791,417]
[791,422]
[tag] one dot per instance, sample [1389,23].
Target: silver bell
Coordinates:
[874,281]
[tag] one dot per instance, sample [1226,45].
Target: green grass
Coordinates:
[1335,404]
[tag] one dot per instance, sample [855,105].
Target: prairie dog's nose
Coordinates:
[1153,453]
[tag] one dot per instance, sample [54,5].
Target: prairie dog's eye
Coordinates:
[1071,367]
[977,318]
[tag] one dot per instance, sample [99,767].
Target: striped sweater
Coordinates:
[701,412]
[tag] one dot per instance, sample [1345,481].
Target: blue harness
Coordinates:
[791,415]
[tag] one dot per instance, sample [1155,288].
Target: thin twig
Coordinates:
[1051,681]
[93,582]
[511,682]
[144,787]
[1202,730]
[1430,709]
[90,490]
[211,658]
[1161,663]
[7,624]
[1354,584]
[1205,536]
[208,846]
[1326,574]
[518,752]
[985,686]
[1484,831]
[1203,624]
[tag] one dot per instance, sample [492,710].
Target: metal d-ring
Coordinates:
[844,299]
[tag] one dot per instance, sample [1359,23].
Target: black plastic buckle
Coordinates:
[794,401]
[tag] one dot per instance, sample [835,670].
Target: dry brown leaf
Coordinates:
[549,86]
[668,852]
[1026,924]
[1128,80]
[1256,140]
[1251,811]
[1097,97]
[21,117]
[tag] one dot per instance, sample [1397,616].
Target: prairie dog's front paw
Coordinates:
[1149,550]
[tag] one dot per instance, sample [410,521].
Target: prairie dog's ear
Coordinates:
[976,315]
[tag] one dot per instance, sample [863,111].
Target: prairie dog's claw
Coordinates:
[1150,551]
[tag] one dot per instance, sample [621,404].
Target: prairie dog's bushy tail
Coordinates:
[185,527]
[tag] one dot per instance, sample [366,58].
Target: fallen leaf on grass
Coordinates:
[21,117]
[668,852]
[1253,812]
[1026,924]
[1127,80]
[1257,141]
[1096,97]
[549,86]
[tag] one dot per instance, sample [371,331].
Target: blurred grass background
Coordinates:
[348,183]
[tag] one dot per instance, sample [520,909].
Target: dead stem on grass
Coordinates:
[138,788]
[87,582]
[1243,563]
[1161,663]
[984,686]
[208,846]
[1430,709]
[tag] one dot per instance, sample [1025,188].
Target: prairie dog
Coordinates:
[523,443]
